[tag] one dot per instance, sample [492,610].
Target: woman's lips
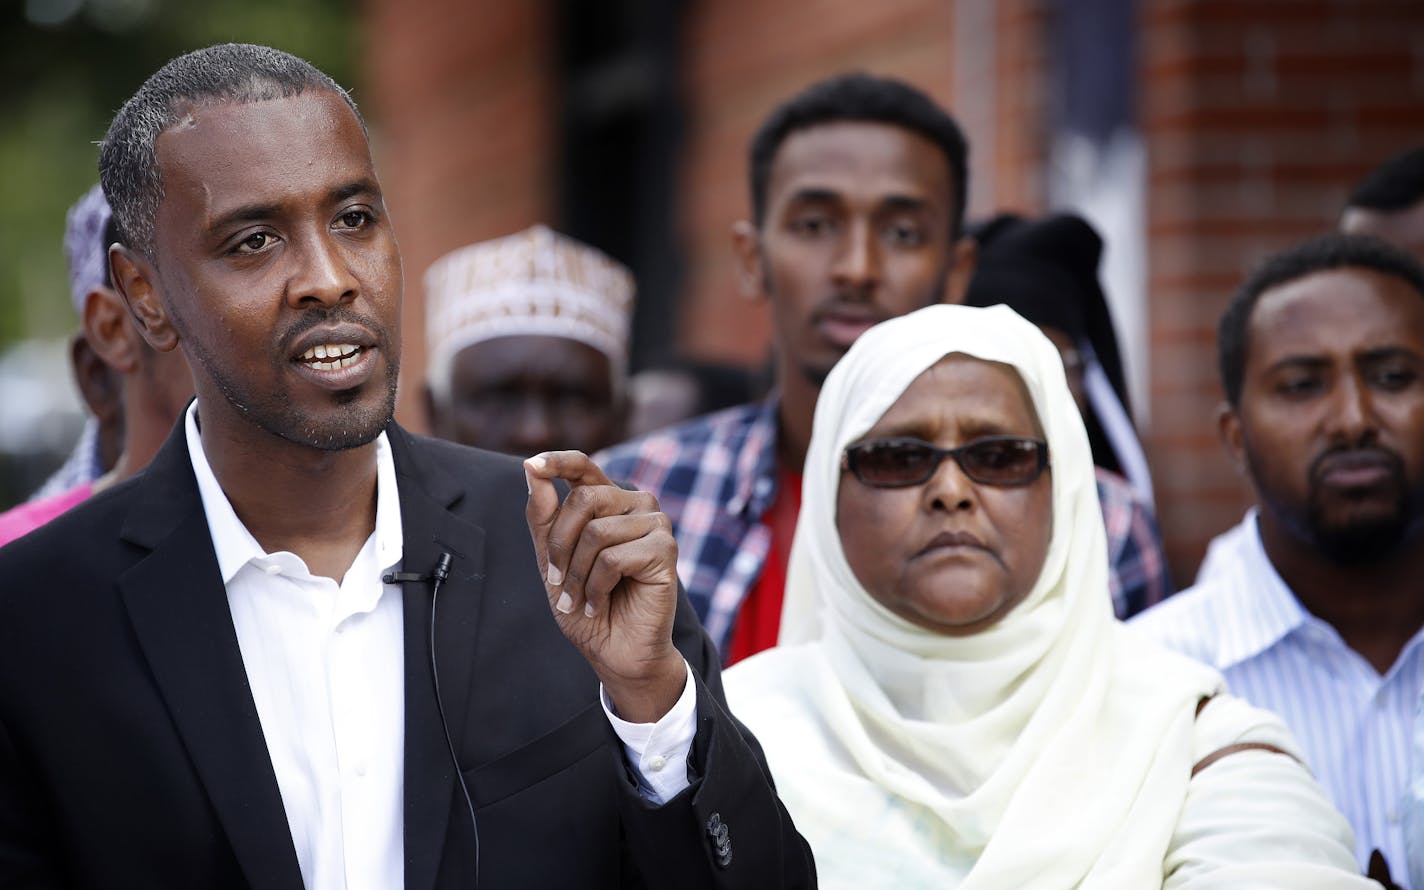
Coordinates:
[952,541]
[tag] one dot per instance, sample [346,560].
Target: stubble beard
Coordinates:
[1353,541]
[349,425]
[1359,541]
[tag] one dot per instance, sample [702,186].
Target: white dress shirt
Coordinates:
[1354,726]
[325,663]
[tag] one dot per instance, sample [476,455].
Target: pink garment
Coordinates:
[20,521]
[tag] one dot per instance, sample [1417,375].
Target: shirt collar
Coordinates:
[755,474]
[1258,609]
[234,544]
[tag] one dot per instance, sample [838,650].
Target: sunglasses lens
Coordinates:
[894,463]
[1002,461]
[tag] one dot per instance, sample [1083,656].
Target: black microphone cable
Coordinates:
[438,576]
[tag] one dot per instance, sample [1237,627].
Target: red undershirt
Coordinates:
[759,619]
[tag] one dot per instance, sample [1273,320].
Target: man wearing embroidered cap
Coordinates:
[527,340]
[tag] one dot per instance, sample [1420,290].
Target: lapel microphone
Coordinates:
[439,574]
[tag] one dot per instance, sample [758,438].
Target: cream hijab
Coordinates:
[1050,750]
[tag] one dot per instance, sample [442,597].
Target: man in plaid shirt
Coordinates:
[858,189]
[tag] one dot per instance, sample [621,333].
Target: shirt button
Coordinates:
[656,763]
[1394,816]
[271,568]
[360,769]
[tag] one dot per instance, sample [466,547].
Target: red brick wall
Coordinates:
[742,58]
[1258,117]
[461,93]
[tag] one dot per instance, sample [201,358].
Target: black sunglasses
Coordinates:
[992,460]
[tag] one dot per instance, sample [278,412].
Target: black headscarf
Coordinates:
[1047,271]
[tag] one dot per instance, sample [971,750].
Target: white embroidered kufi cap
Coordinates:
[535,282]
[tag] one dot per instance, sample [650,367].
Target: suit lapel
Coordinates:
[177,604]
[430,528]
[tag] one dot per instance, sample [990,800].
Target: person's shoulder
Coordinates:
[24,518]
[681,443]
[1121,503]
[1186,622]
[1195,602]
[1226,719]
[426,459]
[1111,485]
[70,551]
[1252,809]
[773,678]
[449,453]
[785,695]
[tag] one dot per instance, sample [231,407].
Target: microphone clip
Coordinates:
[402,577]
[439,573]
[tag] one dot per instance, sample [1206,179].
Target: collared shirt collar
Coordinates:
[1257,610]
[756,463]
[234,544]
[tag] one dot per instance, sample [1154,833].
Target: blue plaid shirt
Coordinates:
[715,477]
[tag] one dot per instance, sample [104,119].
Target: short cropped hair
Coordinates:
[1397,184]
[861,97]
[1333,251]
[229,72]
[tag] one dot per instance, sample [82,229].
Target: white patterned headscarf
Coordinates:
[84,245]
[535,282]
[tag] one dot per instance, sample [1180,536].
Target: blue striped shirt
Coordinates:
[1354,726]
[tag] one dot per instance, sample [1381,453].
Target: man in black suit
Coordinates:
[307,648]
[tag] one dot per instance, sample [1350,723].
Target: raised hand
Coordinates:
[609,563]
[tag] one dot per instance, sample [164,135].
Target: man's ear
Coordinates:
[965,256]
[746,251]
[108,330]
[136,281]
[1228,427]
[98,383]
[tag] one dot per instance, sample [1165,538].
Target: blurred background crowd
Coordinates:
[1196,137]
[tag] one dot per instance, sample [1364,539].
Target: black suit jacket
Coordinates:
[131,754]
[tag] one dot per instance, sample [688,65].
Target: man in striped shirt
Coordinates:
[1316,608]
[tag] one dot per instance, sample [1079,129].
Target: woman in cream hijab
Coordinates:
[953,703]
